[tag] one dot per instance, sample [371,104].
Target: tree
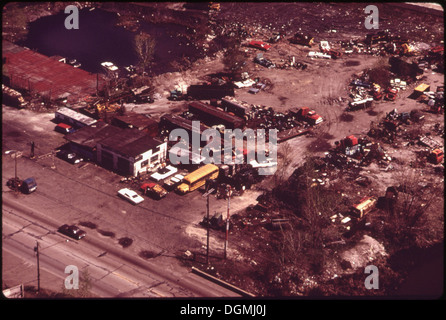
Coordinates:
[411,223]
[145,49]
[234,60]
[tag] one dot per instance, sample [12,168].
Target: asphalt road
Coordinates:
[71,194]
[113,273]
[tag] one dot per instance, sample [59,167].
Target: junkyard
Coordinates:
[359,115]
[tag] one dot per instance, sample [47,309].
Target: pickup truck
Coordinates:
[154,190]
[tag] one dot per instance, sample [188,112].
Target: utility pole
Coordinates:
[15,183]
[227,220]
[206,194]
[32,150]
[36,249]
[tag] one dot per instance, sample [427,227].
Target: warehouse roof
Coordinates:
[128,142]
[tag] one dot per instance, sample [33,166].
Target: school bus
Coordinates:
[197,178]
[365,206]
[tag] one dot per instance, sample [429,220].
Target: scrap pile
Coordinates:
[434,100]
[289,125]
[292,63]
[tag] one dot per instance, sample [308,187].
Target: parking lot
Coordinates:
[86,193]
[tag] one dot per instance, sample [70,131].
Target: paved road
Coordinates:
[113,274]
[76,193]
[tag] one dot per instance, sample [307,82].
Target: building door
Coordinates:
[124,167]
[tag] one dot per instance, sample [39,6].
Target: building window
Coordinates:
[144,163]
[153,158]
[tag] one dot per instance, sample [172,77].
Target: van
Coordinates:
[29,185]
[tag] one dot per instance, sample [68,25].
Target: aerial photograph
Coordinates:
[204,152]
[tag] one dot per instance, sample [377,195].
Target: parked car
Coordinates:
[28,185]
[71,157]
[72,231]
[173,182]
[263,61]
[130,196]
[359,83]
[268,162]
[260,45]
[154,190]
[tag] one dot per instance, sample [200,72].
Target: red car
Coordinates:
[260,45]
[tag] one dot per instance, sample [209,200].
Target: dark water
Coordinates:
[98,40]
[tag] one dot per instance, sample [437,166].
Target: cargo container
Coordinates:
[74,118]
[214,116]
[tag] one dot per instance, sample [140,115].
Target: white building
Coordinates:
[131,152]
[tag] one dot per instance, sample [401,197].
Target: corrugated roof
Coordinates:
[29,70]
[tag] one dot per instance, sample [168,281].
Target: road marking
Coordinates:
[125,278]
[156,292]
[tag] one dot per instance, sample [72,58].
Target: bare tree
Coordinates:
[285,157]
[145,49]
[409,225]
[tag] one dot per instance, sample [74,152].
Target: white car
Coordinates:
[268,162]
[130,195]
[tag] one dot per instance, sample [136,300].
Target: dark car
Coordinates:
[72,231]
[29,185]
[71,157]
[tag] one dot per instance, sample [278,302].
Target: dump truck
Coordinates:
[364,207]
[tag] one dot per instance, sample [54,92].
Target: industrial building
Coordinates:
[27,70]
[128,152]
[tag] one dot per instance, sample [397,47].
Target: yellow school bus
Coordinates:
[197,178]
[365,206]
